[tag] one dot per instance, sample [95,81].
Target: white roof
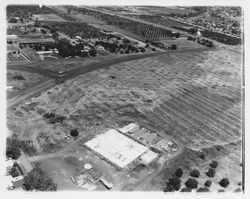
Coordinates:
[129,128]
[87,166]
[12,36]
[148,157]
[116,147]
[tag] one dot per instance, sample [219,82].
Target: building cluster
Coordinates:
[14,175]
[217,19]
[125,149]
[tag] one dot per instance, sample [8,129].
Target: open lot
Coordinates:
[18,80]
[183,44]
[194,97]
[48,17]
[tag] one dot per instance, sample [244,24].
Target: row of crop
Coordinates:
[162,21]
[138,28]
[83,30]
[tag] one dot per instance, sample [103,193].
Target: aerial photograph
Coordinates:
[124,98]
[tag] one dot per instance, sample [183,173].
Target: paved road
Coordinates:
[29,92]
[24,67]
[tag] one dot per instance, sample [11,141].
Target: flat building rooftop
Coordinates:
[116,147]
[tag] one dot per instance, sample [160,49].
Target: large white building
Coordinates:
[118,148]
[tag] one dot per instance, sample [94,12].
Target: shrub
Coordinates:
[153,49]
[211,172]
[208,183]
[19,77]
[173,47]
[214,164]
[195,173]
[202,156]
[92,52]
[185,189]
[179,172]
[203,189]
[169,188]
[36,179]
[238,190]
[191,183]
[224,182]
[121,52]
[74,133]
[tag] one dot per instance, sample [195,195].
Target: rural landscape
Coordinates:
[125,98]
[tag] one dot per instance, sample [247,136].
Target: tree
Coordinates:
[173,47]
[224,182]
[214,164]
[92,52]
[195,173]
[153,49]
[177,35]
[211,172]
[142,50]
[12,20]
[55,35]
[74,133]
[14,172]
[208,183]
[179,172]
[191,183]
[36,179]
[13,148]
[173,184]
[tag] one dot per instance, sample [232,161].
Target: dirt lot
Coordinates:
[193,97]
[20,80]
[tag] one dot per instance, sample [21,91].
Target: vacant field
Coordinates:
[20,80]
[166,10]
[182,43]
[48,17]
[193,97]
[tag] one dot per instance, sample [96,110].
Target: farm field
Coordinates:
[166,21]
[48,17]
[20,80]
[194,97]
